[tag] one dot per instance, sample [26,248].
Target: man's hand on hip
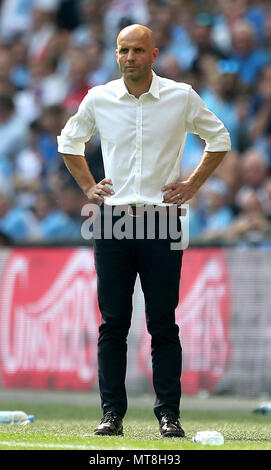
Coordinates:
[100,190]
[178,193]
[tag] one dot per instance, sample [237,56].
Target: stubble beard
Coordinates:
[135,75]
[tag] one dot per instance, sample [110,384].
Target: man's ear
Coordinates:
[155,54]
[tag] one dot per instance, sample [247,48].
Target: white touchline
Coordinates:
[43,445]
[57,446]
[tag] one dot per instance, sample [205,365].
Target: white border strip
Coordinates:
[46,446]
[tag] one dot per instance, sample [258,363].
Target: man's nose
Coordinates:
[131,55]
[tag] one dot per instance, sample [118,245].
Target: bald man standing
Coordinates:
[142,120]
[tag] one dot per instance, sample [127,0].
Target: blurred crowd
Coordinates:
[53,51]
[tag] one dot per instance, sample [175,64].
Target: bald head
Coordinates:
[135,53]
[139,32]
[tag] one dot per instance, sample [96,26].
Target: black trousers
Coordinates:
[117,262]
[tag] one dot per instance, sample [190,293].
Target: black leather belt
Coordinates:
[139,211]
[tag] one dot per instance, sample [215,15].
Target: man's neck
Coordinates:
[138,87]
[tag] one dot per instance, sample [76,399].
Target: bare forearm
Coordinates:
[207,165]
[180,192]
[78,167]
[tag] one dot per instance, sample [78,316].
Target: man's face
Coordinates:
[135,54]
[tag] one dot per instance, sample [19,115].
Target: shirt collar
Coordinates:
[154,88]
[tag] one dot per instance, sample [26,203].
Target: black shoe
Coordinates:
[170,426]
[110,425]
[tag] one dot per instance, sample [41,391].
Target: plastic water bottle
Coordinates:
[214,438]
[15,417]
[264,408]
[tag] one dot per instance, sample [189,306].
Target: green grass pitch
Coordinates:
[70,427]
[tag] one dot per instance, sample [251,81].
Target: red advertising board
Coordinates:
[49,319]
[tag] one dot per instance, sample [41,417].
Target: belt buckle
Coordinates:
[130,207]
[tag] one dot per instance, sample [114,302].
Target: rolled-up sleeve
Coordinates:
[79,128]
[203,122]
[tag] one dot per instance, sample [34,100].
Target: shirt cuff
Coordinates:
[70,147]
[221,144]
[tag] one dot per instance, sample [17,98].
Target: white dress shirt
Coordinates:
[142,139]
